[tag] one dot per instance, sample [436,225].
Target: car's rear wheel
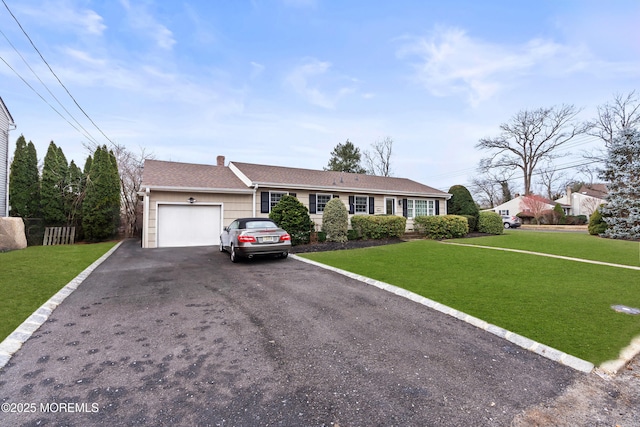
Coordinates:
[284,255]
[506,225]
[232,251]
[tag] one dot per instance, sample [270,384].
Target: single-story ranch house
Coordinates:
[189,204]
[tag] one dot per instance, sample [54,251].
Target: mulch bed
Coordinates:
[354,244]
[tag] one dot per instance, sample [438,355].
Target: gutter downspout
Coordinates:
[145,228]
[255,190]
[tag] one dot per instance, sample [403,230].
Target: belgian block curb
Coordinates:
[519,340]
[14,341]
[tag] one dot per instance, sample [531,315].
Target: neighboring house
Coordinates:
[585,200]
[520,205]
[189,204]
[6,124]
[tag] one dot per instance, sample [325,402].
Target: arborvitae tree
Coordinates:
[461,202]
[622,174]
[74,194]
[293,217]
[101,205]
[54,174]
[24,181]
[335,221]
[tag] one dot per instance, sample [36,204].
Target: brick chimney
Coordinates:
[220,160]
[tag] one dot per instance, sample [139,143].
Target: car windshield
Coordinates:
[260,224]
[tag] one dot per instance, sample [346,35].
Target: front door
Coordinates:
[390,206]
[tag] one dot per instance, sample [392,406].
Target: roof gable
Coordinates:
[4,108]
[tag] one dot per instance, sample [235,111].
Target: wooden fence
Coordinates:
[59,236]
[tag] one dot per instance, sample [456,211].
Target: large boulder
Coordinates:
[12,234]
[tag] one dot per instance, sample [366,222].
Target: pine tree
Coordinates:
[101,205]
[54,174]
[74,194]
[345,158]
[24,181]
[622,173]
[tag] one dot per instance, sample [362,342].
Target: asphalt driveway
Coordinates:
[185,337]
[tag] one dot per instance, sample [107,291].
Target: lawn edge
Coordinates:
[14,341]
[519,340]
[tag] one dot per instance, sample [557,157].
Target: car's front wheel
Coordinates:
[221,246]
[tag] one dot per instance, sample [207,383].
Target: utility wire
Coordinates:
[54,74]
[85,133]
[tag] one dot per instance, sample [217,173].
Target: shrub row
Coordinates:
[442,227]
[378,226]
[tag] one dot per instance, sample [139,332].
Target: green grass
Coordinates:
[576,245]
[31,276]
[563,304]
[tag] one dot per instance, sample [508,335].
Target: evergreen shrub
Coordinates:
[473,222]
[441,227]
[335,221]
[490,223]
[378,226]
[597,225]
[292,216]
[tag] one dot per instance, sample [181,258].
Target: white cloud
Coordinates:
[450,62]
[63,16]
[305,79]
[142,20]
[256,69]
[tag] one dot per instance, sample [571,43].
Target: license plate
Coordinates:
[266,239]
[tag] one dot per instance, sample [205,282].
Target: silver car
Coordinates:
[511,221]
[248,237]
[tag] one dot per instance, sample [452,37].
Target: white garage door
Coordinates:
[188,225]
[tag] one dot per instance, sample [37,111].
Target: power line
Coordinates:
[54,74]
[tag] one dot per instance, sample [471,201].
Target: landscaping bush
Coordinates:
[291,215]
[352,235]
[576,220]
[378,226]
[335,221]
[473,222]
[490,223]
[461,203]
[442,227]
[596,223]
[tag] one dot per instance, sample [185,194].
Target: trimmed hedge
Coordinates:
[441,227]
[335,221]
[473,222]
[490,223]
[378,226]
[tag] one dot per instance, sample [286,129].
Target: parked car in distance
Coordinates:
[248,237]
[511,221]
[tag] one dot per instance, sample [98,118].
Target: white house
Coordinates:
[517,205]
[585,200]
[6,124]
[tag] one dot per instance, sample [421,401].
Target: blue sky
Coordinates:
[282,82]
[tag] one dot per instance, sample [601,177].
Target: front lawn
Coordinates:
[563,304]
[576,245]
[29,277]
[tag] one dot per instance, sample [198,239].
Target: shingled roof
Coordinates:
[170,175]
[285,177]
[242,176]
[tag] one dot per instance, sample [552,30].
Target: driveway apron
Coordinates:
[182,336]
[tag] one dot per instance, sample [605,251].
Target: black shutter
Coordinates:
[405,210]
[336,196]
[312,203]
[352,205]
[264,202]
[437,207]
[372,208]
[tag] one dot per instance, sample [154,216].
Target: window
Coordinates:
[504,212]
[390,206]
[361,205]
[321,201]
[420,208]
[274,198]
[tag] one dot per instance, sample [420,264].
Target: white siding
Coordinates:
[4,162]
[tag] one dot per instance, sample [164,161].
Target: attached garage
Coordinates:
[181,225]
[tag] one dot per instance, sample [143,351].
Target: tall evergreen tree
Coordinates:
[345,158]
[461,202]
[24,181]
[622,173]
[101,205]
[54,175]
[74,193]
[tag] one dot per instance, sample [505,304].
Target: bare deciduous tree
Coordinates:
[378,160]
[622,113]
[492,189]
[530,138]
[553,182]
